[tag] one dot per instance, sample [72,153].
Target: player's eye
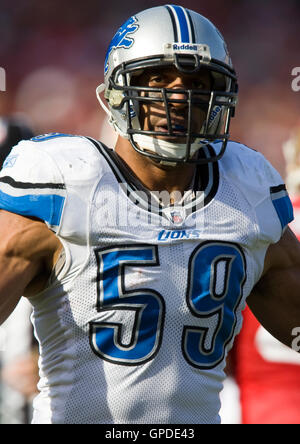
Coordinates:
[157,79]
[198,84]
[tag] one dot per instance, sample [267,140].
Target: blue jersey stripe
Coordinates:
[183,24]
[284,210]
[47,207]
[49,136]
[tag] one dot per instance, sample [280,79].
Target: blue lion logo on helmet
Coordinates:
[121,39]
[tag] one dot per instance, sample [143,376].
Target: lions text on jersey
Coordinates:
[136,326]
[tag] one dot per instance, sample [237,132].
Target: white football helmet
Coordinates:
[159,37]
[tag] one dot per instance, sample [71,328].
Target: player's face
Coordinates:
[153,115]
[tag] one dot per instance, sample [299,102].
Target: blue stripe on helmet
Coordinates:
[183,23]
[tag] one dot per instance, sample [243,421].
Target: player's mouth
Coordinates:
[178,130]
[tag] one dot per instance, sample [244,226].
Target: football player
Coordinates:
[138,260]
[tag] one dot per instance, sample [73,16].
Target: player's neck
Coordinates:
[152,175]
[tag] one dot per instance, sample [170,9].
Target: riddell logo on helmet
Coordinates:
[214,113]
[185,47]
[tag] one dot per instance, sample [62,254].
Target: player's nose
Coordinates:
[179,86]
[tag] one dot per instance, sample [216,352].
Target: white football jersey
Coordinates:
[136,325]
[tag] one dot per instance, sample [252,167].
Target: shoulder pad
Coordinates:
[262,186]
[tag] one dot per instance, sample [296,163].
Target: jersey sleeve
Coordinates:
[274,211]
[31,184]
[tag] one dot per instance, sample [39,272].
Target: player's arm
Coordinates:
[28,251]
[275,300]
[32,199]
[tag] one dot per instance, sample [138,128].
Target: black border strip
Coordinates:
[173,23]
[27,185]
[191,25]
[104,151]
[278,188]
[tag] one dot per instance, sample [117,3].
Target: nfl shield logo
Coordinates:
[176,215]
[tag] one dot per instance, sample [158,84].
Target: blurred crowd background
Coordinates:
[53,53]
